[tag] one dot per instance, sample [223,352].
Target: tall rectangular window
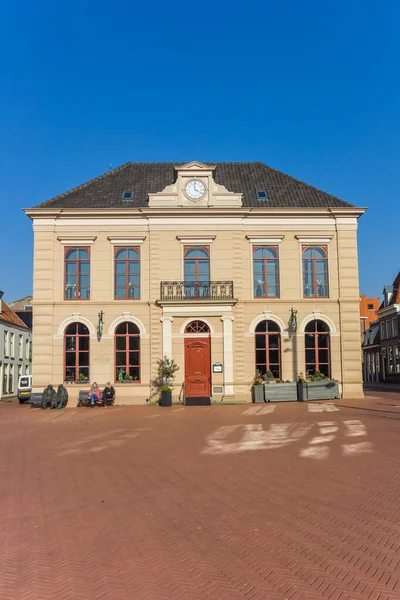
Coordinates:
[394,326]
[12,345]
[11,379]
[77,274]
[127,273]
[5,379]
[315,272]
[388,330]
[390,360]
[197,271]
[396,359]
[382,331]
[6,345]
[266,271]
[21,347]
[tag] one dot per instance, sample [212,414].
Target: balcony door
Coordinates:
[197,271]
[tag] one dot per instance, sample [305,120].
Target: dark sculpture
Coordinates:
[61,397]
[49,397]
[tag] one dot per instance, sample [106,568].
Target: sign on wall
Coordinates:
[217,368]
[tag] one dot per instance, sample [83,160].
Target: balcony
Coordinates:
[203,291]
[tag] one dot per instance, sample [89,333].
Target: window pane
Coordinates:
[260,341]
[70,268]
[272,291]
[320,266]
[82,329]
[120,280]
[203,267]
[120,359]
[310,356]
[308,253]
[201,253]
[271,252]
[120,293]
[134,267]
[324,369]
[319,252]
[272,326]
[135,373]
[132,253]
[258,253]
[70,343]
[262,326]
[71,254]
[134,358]
[273,341]
[275,371]
[70,374]
[71,328]
[83,359]
[120,343]
[134,343]
[132,328]
[323,356]
[121,253]
[321,326]
[120,267]
[70,359]
[309,340]
[274,356]
[83,254]
[84,343]
[260,357]
[191,253]
[323,341]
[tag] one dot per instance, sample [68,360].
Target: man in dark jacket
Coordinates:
[49,397]
[108,394]
[62,397]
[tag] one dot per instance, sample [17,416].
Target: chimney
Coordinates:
[1,307]
[387,294]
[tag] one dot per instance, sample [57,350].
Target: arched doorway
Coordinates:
[197,360]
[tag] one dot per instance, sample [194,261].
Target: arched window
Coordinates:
[317,348]
[77,274]
[268,348]
[315,271]
[76,353]
[197,327]
[127,352]
[266,272]
[127,273]
[197,271]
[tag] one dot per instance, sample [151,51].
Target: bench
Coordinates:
[83,399]
[35,400]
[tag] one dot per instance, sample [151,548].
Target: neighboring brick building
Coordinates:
[15,350]
[368,308]
[23,308]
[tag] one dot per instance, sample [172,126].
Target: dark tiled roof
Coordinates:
[144,178]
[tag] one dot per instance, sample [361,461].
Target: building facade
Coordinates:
[368,308]
[389,326]
[15,350]
[230,269]
[23,308]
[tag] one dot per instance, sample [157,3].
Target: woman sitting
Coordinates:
[94,394]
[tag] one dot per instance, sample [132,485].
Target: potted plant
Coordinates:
[166,370]
[82,378]
[268,377]
[283,391]
[317,387]
[257,389]
[127,378]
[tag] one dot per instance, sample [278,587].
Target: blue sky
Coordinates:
[310,88]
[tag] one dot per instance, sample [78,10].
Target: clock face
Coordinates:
[195,189]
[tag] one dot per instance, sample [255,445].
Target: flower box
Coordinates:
[280,392]
[318,390]
[257,394]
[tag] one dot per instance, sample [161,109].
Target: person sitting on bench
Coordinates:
[108,394]
[94,394]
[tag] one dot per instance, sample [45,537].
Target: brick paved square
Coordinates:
[292,502]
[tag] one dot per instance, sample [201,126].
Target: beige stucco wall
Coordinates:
[162,259]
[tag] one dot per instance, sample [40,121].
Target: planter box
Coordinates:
[318,390]
[127,381]
[280,392]
[166,399]
[257,394]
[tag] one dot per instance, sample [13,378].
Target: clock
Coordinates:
[195,189]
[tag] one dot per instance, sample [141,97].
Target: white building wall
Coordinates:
[13,363]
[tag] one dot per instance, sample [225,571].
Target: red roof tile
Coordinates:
[9,316]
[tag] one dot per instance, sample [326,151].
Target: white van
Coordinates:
[24,388]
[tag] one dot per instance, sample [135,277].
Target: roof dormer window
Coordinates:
[127,195]
[262,194]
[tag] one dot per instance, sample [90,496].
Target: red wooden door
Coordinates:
[197,368]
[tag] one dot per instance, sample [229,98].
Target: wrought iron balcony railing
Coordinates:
[202,290]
